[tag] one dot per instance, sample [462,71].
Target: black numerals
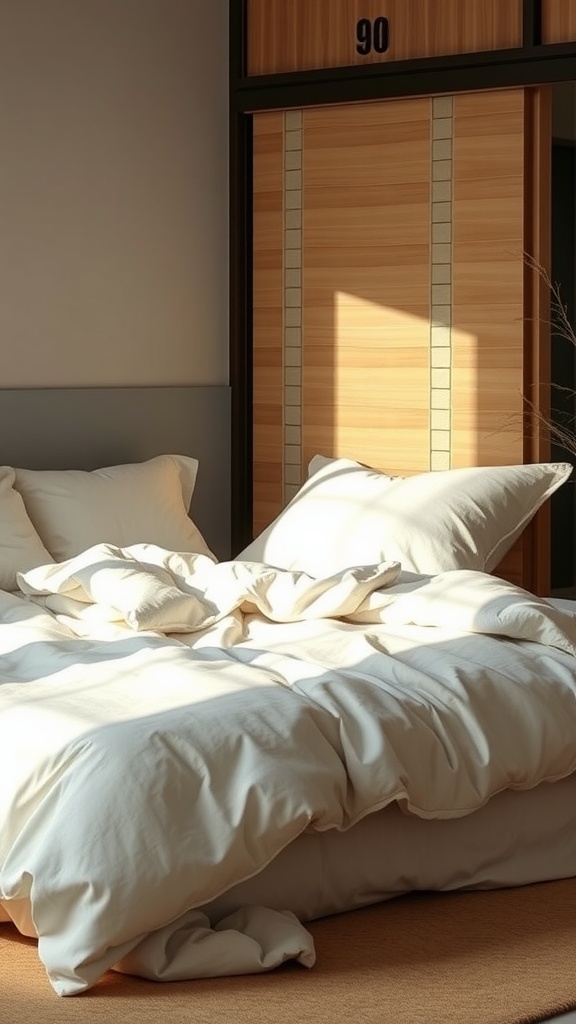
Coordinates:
[372,35]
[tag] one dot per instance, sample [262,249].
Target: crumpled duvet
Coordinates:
[168,726]
[148,588]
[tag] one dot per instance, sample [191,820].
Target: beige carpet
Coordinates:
[501,957]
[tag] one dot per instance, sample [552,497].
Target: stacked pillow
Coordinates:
[52,515]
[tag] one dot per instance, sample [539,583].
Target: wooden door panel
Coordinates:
[395,322]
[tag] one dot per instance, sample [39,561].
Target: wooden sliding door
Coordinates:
[395,321]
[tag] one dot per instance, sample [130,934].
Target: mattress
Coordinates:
[519,837]
[516,839]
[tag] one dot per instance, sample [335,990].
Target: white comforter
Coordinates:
[168,726]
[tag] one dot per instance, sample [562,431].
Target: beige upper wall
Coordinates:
[113,192]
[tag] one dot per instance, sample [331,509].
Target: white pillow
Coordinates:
[20,545]
[347,514]
[142,502]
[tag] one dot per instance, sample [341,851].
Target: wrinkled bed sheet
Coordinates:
[168,726]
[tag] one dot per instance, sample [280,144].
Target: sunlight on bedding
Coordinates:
[203,762]
[431,522]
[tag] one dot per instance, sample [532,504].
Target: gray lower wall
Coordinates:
[86,428]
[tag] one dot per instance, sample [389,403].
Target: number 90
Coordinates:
[372,35]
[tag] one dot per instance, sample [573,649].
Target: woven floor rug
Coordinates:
[504,957]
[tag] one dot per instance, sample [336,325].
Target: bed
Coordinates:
[200,755]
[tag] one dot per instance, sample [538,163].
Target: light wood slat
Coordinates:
[473,188]
[266,450]
[268,377]
[368,417]
[268,315]
[267,211]
[483,217]
[500,450]
[376,256]
[264,511]
[265,357]
[558,21]
[498,281]
[268,285]
[324,229]
[319,319]
[476,162]
[267,411]
[502,391]
[400,290]
[267,473]
[495,250]
[382,422]
[354,276]
[294,35]
[381,452]
[492,125]
[267,226]
[358,133]
[387,345]
[378,356]
[363,193]
[494,104]
[344,399]
[393,115]
[466,355]
[266,259]
[488,218]
[389,192]
[267,321]
[486,316]
[390,189]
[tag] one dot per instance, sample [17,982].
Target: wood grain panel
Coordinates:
[558,21]
[268,319]
[411,351]
[366,284]
[297,35]
[494,202]
[487,276]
